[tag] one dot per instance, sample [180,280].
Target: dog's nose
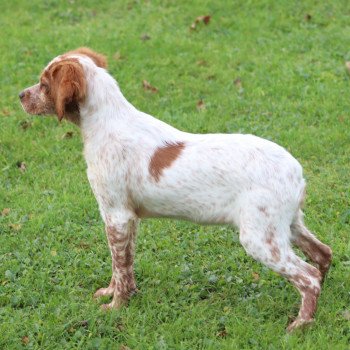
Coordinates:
[21,95]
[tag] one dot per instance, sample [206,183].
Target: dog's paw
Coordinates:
[116,304]
[299,323]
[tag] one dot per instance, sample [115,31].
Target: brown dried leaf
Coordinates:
[347,65]
[15,227]
[120,327]
[307,17]
[145,37]
[238,82]
[202,63]
[346,314]
[204,19]
[147,86]
[25,124]
[22,166]
[222,334]
[5,212]
[124,347]
[25,340]
[68,135]
[200,105]
[256,276]
[5,112]
[118,56]
[83,323]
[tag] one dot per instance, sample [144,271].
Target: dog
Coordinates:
[140,167]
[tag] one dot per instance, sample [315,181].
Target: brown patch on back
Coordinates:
[100,60]
[163,157]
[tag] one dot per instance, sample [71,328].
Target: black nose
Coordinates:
[21,95]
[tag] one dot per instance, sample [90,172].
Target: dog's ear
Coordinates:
[99,59]
[68,87]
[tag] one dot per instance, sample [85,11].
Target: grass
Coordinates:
[259,66]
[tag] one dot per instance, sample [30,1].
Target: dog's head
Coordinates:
[61,87]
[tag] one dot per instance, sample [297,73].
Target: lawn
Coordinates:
[272,68]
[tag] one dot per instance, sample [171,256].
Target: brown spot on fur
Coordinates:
[276,254]
[100,60]
[271,230]
[263,210]
[163,157]
[270,240]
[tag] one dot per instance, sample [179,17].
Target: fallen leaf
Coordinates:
[84,323]
[346,314]
[25,340]
[347,65]
[256,276]
[16,227]
[202,63]
[341,119]
[5,112]
[25,124]
[120,327]
[5,212]
[124,347]
[238,82]
[22,166]
[68,135]
[222,333]
[145,37]
[118,56]
[307,17]
[147,86]
[200,105]
[204,19]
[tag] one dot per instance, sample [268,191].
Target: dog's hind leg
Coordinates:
[266,237]
[315,250]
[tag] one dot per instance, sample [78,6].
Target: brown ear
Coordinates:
[68,86]
[100,60]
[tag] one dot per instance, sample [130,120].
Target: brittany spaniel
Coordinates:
[140,167]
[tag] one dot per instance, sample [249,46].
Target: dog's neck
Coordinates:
[106,111]
[105,107]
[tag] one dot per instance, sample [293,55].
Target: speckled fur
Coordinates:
[139,166]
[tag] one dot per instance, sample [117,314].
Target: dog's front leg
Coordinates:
[121,234]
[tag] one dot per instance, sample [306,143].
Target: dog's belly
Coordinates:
[207,182]
[199,205]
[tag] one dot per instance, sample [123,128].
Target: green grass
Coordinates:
[198,288]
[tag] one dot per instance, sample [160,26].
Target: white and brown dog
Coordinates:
[140,167]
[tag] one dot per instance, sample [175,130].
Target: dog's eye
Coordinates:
[44,87]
